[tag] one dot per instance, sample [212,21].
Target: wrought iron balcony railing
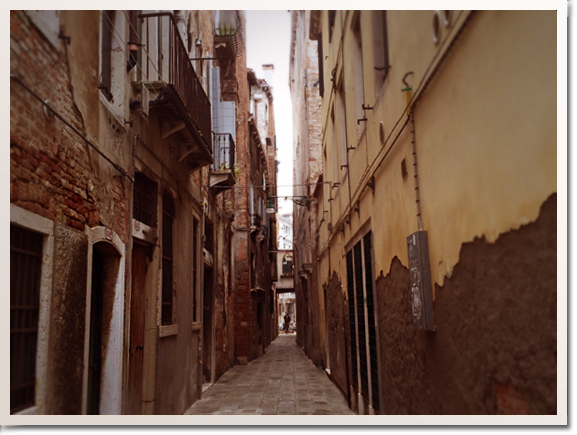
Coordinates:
[168,71]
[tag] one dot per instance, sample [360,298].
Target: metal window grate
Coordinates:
[168,214]
[358,267]
[367,244]
[145,199]
[352,322]
[25,270]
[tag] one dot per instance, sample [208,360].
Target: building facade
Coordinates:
[121,208]
[305,95]
[285,284]
[437,223]
[254,229]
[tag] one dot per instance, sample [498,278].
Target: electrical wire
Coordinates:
[382,154]
[118,168]
[270,185]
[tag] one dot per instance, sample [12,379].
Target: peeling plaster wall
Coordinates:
[487,158]
[495,345]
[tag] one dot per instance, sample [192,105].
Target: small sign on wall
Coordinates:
[420,276]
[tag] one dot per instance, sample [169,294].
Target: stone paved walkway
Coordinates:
[283,381]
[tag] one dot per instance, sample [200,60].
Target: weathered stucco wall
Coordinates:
[485,135]
[67,322]
[486,151]
[495,345]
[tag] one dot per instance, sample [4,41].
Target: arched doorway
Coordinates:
[103,351]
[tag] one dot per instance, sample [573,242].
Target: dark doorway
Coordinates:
[207,327]
[105,264]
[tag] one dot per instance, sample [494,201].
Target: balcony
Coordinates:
[171,89]
[228,34]
[222,171]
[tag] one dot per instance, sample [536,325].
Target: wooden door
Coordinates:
[136,349]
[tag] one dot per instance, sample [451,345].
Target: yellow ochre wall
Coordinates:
[485,129]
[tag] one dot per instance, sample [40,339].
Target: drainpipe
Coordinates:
[411,115]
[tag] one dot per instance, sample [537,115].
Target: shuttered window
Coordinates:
[168,215]
[380,48]
[362,321]
[25,272]
[195,249]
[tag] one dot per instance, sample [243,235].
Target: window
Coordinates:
[106,54]
[342,126]
[332,15]
[321,64]
[380,48]
[25,277]
[48,22]
[362,321]
[168,215]
[287,264]
[358,72]
[23,273]
[145,199]
[335,177]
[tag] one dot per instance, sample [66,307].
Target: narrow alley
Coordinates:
[282,381]
[286,212]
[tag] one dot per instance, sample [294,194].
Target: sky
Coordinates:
[268,42]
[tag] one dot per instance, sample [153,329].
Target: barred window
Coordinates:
[25,272]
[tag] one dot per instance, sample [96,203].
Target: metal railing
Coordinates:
[172,64]
[223,151]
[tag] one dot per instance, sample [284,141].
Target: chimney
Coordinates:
[268,70]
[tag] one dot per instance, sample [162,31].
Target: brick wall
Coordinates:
[53,172]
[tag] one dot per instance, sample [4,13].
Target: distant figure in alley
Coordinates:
[287,320]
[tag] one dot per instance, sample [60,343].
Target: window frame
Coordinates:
[343,130]
[48,22]
[380,48]
[358,72]
[33,222]
[106,36]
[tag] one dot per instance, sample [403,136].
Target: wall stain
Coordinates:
[495,346]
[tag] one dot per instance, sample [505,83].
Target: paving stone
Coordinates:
[281,382]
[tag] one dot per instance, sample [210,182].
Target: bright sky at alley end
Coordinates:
[268,42]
